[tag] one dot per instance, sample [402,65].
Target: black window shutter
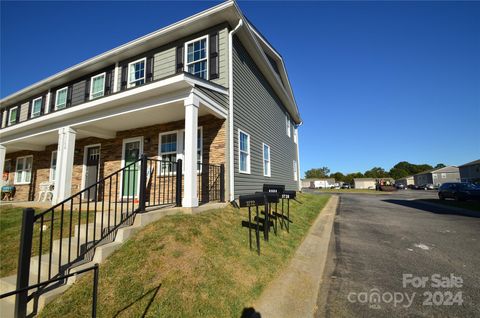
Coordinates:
[108,76]
[149,69]
[29,114]
[124,77]
[44,100]
[179,59]
[87,89]
[69,96]
[214,58]
[19,109]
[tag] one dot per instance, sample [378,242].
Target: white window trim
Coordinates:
[295,170]
[56,98]
[10,116]
[104,75]
[52,173]
[287,122]
[269,172]
[129,84]
[180,150]
[207,49]
[248,153]
[33,103]
[24,158]
[295,135]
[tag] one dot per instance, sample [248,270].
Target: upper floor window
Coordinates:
[244,152]
[12,115]
[295,134]
[36,107]
[61,98]
[97,86]
[266,160]
[136,72]
[23,170]
[196,56]
[287,120]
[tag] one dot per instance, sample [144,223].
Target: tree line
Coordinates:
[400,170]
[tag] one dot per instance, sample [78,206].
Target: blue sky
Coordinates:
[376,82]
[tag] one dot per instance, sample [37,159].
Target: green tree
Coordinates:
[338,176]
[349,177]
[376,172]
[317,173]
[439,165]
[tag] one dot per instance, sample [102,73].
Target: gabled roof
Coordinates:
[444,169]
[227,11]
[475,162]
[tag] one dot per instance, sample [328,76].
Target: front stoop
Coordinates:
[101,253]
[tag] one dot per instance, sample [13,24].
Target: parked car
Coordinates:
[428,186]
[400,186]
[460,191]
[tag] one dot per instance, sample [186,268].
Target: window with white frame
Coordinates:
[172,148]
[266,160]
[23,170]
[196,57]
[97,86]
[287,120]
[295,134]
[53,166]
[12,115]
[444,175]
[61,98]
[36,107]
[136,72]
[295,170]
[244,152]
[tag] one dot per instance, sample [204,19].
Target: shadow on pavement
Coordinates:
[429,207]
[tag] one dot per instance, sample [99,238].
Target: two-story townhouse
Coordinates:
[208,89]
[438,176]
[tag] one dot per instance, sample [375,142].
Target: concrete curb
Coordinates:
[294,292]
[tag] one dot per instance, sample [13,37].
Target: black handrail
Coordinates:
[25,290]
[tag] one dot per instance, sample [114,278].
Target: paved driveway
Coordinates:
[380,239]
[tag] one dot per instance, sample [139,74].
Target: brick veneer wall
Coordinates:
[214,138]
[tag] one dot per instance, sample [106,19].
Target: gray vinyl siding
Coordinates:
[422,179]
[78,93]
[259,112]
[24,111]
[164,63]
[449,177]
[217,97]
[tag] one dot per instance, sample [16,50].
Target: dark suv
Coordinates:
[459,191]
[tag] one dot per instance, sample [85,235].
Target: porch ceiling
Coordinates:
[108,126]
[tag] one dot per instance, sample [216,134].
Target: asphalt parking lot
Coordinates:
[420,260]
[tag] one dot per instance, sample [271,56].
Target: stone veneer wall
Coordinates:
[214,138]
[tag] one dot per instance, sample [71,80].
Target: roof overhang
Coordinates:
[227,11]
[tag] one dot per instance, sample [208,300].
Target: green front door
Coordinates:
[131,173]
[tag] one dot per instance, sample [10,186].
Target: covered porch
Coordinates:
[169,122]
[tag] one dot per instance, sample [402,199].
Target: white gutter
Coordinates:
[230,109]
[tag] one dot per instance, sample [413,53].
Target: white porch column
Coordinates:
[190,196]
[3,152]
[65,154]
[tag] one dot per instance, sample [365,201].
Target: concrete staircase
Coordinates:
[100,253]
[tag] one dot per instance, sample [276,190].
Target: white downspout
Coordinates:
[298,158]
[230,108]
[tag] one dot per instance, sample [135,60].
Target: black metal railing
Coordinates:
[66,235]
[210,182]
[24,290]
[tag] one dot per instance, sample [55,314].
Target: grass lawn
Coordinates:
[10,228]
[469,205]
[189,266]
[365,191]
